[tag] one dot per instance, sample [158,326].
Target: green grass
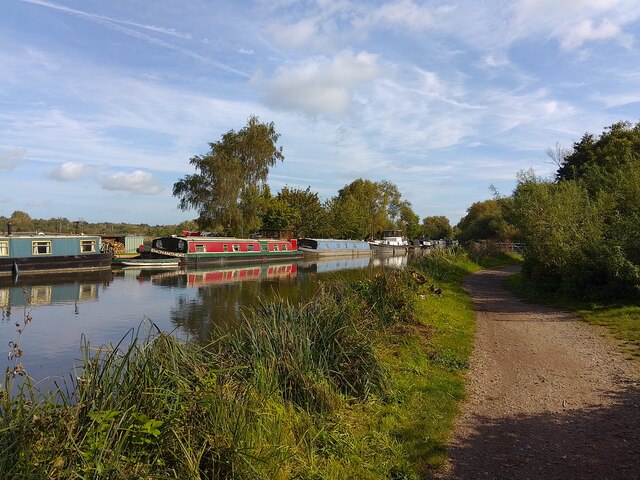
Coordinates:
[621,321]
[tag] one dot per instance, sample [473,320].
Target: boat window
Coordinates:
[200,247]
[87,246]
[236,247]
[4,249]
[276,248]
[225,247]
[264,247]
[250,247]
[284,248]
[42,247]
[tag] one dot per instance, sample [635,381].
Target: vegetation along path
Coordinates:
[549,397]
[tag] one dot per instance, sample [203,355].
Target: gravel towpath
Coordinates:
[549,397]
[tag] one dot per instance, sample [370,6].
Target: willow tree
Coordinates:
[227,190]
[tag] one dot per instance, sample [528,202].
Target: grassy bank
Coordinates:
[363,381]
[622,321]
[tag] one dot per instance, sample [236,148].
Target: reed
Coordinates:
[148,407]
[313,352]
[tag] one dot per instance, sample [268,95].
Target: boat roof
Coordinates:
[227,239]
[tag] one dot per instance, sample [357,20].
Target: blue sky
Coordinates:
[102,103]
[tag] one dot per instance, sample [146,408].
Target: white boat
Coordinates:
[392,240]
[146,262]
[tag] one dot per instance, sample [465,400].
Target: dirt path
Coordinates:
[548,396]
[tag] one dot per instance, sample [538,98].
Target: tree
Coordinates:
[231,179]
[436,227]
[595,159]
[408,221]
[308,217]
[365,208]
[359,209]
[21,221]
[485,221]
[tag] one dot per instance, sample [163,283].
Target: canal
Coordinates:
[106,307]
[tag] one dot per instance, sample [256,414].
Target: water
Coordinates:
[103,307]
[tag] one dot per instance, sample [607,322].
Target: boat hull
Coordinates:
[309,252]
[53,264]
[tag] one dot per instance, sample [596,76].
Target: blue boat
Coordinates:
[329,247]
[36,254]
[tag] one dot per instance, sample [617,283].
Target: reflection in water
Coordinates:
[39,290]
[192,303]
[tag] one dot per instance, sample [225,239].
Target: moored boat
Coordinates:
[146,262]
[392,241]
[37,254]
[325,247]
[203,250]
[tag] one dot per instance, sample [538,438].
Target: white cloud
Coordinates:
[575,23]
[585,32]
[68,172]
[322,85]
[138,182]
[401,14]
[10,159]
[296,34]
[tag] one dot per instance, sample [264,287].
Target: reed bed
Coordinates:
[346,385]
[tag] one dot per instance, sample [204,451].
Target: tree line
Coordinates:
[229,191]
[581,227]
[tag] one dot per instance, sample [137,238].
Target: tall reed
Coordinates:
[312,352]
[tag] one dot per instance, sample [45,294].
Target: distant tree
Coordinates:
[485,221]
[365,208]
[229,177]
[21,222]
[187,225]
[436,227]
[408,221]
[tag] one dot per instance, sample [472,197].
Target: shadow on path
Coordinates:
[598,443]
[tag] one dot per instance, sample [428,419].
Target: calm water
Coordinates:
[103,307]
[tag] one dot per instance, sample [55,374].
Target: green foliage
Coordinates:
[594,159]
[391,295]
[581,231]
[230,178]
[363,209]
[300,211]
[486,221]
[436,227]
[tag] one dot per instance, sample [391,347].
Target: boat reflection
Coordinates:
[194,278]
[52,289]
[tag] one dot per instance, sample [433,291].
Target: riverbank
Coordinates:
[362,381]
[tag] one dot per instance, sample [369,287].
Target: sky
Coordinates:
[103,103]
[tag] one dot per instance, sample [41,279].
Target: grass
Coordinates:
[363,381]
[621,321]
